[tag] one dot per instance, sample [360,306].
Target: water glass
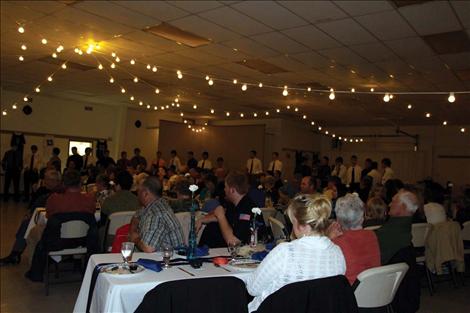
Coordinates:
[127,248]
[167,254]
[233,249]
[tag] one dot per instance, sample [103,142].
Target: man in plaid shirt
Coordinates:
[155,225]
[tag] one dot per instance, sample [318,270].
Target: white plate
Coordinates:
[119,269]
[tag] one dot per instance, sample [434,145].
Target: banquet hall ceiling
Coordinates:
[390,46]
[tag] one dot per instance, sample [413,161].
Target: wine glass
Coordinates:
[233,249]
[167,254]
[127,248]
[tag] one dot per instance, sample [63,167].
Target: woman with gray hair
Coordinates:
[360,247]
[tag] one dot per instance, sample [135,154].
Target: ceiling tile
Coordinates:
[196,6]
[235,21]
[458,61]
[156,9]
[312,37]
[373,52]
[427,64]
[432,17]
[224,52]
[343,56]
[154,44]
[314,11]
[280,42]
[356,8]
[270,13]
[201,27]
[347,31]
[287,63]
[380,25]
[251,47]
[312,59]
[413,47]
[394,67]
[462,8]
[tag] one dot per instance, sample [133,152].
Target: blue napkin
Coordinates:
[270,245]
[259,256]
[150,264]
[202,251]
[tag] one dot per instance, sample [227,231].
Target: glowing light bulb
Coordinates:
[141,103]
[319,127]
[428,115]
[391,96]
[25,99]
[136,80]
[49,78]
[288,107]
[332,94]
[304,117]
[37,89]
[267,113]
[80,52]
[177,105]
[296,109]
[14,107]
[154,69]
[242,115]
[60,48]
[123,90]
[4,113]
[194,106]
[117,59]
[157,91]
[54,55]
[260,85]
[353,90]
[255,114]
[326,132]
[21,58]
[181,114]
[64,66]
[285,93]
[357,140]
[333,135]
[372,90]
[21,30]
[100,66]
[312,123]
[132,98]
[309,89]
[179,74]
[44,41]
[207,77]
[148,106]
[277,110]
[23,47]
[172,104]
[148,66]
[227,113]
[451,98]
[132,61]
[444,123]
[244,87]
[210,82]
[113,54]
[462,130]
[386,97]
[111,80]
[235,81]
[409,106]
[113,65]
[155,108]
[212,111]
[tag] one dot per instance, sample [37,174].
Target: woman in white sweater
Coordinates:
[312,255]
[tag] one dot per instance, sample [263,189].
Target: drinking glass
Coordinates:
[127,248]
[233,249]
[167,254]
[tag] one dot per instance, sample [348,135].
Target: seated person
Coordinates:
[395,234]
[311,255]
[183,200]
[462,212]
[103,189]
[270,192]
[155,225]
[231,225]
[360,247]
[122,200]
[211,196]
[433,208]
[376,212]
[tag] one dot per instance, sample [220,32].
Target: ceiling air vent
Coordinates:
[177,35]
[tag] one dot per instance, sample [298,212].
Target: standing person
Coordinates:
[353,175]
[54,161]
[374,173]
[106,160]
[159,161]
[367,167]
[192,162]
[138,161]
[205,163]
[32,165]
[174,161]
[324,171]
[76,158]
[339,170]
[11,164]
[387,170]
[275,164]
[88,159]
[123,163]
[253,164]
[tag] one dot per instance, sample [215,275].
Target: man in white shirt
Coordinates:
[205,163]
[387,170]
[275,164]
[375,174]
[253,164]
[340,170]
[88,158]
[175,161]
[353,175]
[32,165]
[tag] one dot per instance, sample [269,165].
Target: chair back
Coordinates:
[73,229]
[267,212]
[323,295]
[377,286]
[277,228]
[91,188]
[372,227]
[119,219]
[466,231]
[184,218]
[418,234]
[220,294]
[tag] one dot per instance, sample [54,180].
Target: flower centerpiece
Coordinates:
[254,227]
[192,242]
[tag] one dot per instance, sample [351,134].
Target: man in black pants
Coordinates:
[11,164]
[32,163]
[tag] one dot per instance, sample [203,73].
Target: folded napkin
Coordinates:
[259,256]
[150,264]
[202,251]
[270,245]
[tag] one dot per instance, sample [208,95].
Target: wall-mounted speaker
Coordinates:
[138,124]
[27,110]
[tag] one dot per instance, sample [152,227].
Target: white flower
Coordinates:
[187,175]
[260,187]
[193,188]
[256,211]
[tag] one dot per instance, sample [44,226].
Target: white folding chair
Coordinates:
[115,220]
[466,235]
[418,238]
[267,212]
[372,227]
[69,230]
[278,229]
[184,218]
[377,286]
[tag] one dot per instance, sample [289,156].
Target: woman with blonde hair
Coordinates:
[375,214]
[310,255]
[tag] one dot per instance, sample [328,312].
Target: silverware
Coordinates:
[189,273]
[225,269]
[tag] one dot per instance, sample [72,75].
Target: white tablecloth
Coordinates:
[124,294]
[39,218]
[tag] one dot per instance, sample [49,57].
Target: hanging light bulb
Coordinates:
[235,81]
[176,100]
[136,80]
[312,123]
[54,55]
[304,117]
[14,107]
[428,115]
[444,123]
[266,113]
[372,90]
[23,47]
[132,61]
[212,111]
[44,41]
[391,96]
[117,59]
[21,58]
[149,67]
[309,89]
[155,108]
[181,114]
[21,30]
[123,90]
[162,107]
[148,106]
[37,89]
[462,130]
[353,90]
[288,107]
[357,140]
[172,104]
[49,78]
[113,65]
[260,85]
[207,77]
[285,93]
[132,98]
[80,52]
[319,127]
[25,99]
[242,115]
[386,97]
[157,91]
[409,106]
[332,94]
[326,132]
[194,106]
[296,109]
[111,80]
[154,69]
[227,114]
[4,113]
[60,48]
[210,82]
[113,54]
[277,110]
[179,74]
[255,114]
[141,103]
[451,98]
[244,87]
[333,135]
[64,66]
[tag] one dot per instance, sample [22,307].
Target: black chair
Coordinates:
[324,295]
[205,295]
